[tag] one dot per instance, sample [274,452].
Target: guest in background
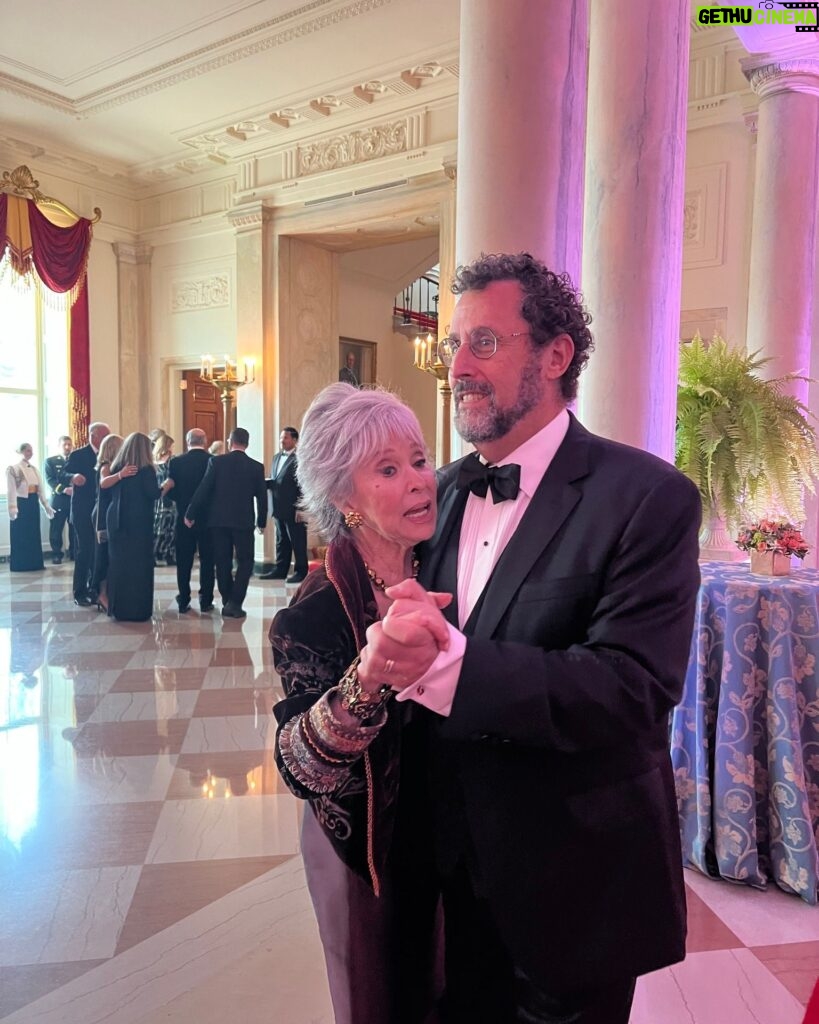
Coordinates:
[25,495]
[217,448]
[107,453]
[165,511]
[341,739]
[291,530]
[185,473]
[60,500]
[79,473]
[130,532]
[224,500]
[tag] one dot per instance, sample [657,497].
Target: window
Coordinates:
[33,370]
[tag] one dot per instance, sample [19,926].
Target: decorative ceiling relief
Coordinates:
[352,148]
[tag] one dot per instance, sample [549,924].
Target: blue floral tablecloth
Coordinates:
[745,737]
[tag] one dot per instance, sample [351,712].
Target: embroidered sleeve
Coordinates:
[317,753]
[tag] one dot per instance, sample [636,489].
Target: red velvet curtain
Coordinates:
[58,256]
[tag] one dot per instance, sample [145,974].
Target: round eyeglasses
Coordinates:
[483,344]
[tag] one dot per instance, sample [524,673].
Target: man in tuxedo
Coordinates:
[80,474]
[60,500]
[224,500]
[185,473]
[347,374]
[285,494]
[544,702]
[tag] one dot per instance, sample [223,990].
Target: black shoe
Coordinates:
[84,601]
[183,606]
[206,606]
[232,611]
[297,577]
[57,560]
[272,575]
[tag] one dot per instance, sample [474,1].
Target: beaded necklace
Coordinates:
[379,583]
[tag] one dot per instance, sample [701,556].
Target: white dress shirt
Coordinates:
[485,531]
[22,480]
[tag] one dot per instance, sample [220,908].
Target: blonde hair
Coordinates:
[111,444]
[217,448]
[135,451]
[162,446]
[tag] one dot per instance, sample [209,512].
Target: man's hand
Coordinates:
[188,522]
[68,490]
[405,643]
[78,480]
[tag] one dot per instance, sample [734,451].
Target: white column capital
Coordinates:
[770,77]
[133,252]
[249,216]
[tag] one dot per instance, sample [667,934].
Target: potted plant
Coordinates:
[745,442]
[771,544]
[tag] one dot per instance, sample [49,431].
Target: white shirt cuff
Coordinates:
[436,687]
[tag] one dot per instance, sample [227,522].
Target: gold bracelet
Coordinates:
[357,700]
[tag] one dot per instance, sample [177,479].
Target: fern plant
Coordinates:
[745,442]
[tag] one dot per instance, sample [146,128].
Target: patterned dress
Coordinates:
[164,521]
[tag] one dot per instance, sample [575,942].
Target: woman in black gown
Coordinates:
[131,532]
[25,495]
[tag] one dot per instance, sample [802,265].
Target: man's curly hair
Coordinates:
[551,304]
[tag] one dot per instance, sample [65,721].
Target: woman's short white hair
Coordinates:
[343,427]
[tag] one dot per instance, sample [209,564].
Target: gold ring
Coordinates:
[389,665]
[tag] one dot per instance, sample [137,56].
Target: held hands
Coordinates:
[78,480]
[402,646]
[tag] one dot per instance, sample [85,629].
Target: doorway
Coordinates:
[201,407]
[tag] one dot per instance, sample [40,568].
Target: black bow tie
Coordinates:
[502,481]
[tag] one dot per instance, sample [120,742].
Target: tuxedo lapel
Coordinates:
[439,559]
[551,504]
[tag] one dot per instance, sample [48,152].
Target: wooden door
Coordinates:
[202,407]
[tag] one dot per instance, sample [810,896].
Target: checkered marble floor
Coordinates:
[149,866]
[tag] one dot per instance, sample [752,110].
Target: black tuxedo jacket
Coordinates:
[81,460]
[284,488]
[555,756]
[225,496]
[53,471]
[187,472]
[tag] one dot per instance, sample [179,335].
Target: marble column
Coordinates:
[632,246]
[256,403]
[444,429]
[522,104]
[783,231]
[134,306]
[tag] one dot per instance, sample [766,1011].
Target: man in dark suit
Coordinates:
[185,473]
[285,494]
[80,474]
[224,500]
[573,564]
[60,500]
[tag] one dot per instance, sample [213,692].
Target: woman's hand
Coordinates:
[405,643]
[127,471]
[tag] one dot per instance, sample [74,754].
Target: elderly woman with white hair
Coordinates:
[24,488]
[367,484]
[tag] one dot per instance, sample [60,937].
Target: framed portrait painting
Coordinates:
[356,361]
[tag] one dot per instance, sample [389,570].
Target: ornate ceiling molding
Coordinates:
[192,65]
[249,216]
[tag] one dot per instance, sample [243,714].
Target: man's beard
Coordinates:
[494,422]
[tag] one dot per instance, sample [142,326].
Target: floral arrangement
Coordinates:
[772,535]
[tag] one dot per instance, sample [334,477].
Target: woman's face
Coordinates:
[27,451]
[394,490]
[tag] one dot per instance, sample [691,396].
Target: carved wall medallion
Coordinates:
[204,293]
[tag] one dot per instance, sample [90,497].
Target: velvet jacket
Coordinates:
[314,641]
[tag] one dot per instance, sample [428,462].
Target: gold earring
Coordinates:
[352,520]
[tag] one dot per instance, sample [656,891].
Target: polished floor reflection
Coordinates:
[149,866]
